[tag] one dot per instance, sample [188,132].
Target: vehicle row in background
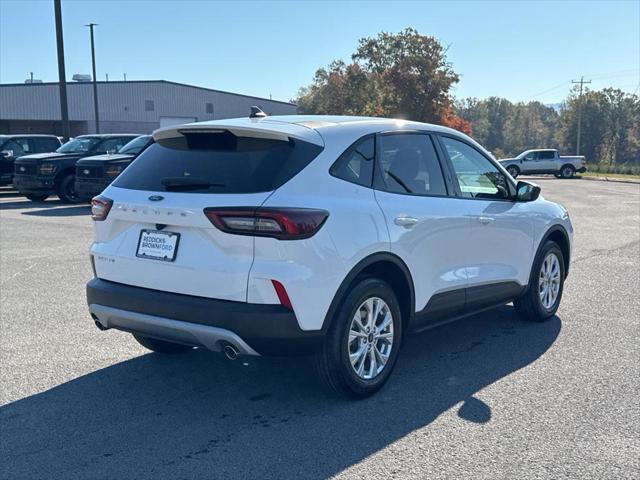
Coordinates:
[13,147]
[540,161]
[40,175]
[95,173]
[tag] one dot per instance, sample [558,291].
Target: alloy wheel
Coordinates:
[370,338]
[549,281]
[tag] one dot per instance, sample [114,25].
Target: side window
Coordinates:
[547,155]
[44,144]
[16,146]
[355,165]
[531,156]
[476,175]
[24,145]
[408,163]
[110,144]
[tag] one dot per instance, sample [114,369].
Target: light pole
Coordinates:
[95,84]
[62,79]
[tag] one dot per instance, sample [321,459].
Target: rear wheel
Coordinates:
[567,171]
[67,189]
[37,198]
[541,299]
[161,346]
[513,171]
[362,344]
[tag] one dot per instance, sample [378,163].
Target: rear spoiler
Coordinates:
[256,128]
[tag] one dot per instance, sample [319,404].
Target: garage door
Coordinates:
[169,121]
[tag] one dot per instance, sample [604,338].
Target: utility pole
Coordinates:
[95,81]
[581,82]
[62,79]
[31,76]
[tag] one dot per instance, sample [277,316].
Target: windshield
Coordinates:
[79,145]
[136,145]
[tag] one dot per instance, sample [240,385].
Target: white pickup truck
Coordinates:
[532,162]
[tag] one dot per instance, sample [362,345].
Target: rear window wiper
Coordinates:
[187,183]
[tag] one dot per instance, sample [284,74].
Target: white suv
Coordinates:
[331,236]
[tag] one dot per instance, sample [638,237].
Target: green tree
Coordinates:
[404,75]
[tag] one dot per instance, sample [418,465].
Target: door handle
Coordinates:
[405,221]
[485,220]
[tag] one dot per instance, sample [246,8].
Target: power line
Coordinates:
[581,82]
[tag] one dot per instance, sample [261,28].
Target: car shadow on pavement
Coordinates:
[26,203]
[69,211]
[198,415]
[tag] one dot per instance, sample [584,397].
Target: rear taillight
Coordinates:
[280,223]
[100,207]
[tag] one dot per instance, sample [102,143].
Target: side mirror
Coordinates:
[527,192]
[7,153]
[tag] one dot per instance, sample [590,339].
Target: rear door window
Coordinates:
[408,164]
[44,144]
[217,162]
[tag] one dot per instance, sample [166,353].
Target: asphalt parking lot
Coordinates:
[487,397]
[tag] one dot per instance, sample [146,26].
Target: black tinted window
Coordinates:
[356,163]
[547,155]
[44,144]
[409,164]
[217,163]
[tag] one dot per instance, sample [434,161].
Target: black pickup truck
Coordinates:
[13,147]
[40,175]
[94,174]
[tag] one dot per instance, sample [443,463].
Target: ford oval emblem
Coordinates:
[156,198]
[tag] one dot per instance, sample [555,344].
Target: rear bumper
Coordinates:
[255,329]
[581,170]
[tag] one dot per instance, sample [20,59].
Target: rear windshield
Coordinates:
[218,162]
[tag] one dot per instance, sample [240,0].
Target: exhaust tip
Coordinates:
[98,324]
[230,351]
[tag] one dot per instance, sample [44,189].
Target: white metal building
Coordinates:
[124,107]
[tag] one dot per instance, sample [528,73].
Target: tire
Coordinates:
[161,346]
[530,306]
[37,198]
[567,171]
[333,363]
[513,171]
[66,189]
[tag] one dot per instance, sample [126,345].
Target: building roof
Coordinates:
[71,84]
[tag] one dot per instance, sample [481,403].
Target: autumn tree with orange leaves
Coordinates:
[404,75]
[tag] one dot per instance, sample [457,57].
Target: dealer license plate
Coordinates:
[158,245]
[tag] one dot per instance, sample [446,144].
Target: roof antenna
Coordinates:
[256,112]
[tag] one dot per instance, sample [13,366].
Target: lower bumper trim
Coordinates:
[211,338]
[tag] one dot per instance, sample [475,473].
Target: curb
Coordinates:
[613,179]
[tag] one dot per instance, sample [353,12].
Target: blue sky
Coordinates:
[519,50]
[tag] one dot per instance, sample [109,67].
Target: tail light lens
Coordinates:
[280,223]
[100,207]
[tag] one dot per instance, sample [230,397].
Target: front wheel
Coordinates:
[513,171]
[67,189]
[567,171]
[541,299]
[362,344]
